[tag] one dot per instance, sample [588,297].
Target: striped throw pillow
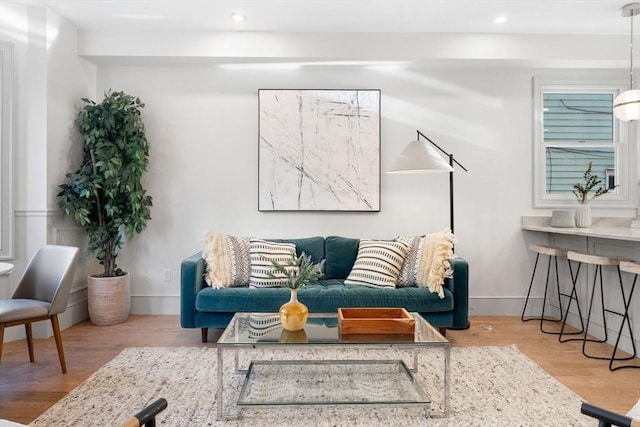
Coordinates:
[378,263]
[262,253]
[409,272]
[262,324]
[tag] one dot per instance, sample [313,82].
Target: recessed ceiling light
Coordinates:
[237,17]
[500,19]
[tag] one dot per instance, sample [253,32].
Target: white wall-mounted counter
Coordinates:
[603,228]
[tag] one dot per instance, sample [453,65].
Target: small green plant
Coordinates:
[105,193]
[590,181]
[298,271]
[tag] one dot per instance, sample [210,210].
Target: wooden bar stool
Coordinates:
[553,254]
[599,262]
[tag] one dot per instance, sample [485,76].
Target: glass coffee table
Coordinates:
[315,377]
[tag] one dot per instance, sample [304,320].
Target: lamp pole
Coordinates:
[452,160]
[451,192]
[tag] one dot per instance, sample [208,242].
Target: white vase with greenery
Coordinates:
[581,191]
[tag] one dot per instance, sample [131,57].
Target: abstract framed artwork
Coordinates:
[319,150]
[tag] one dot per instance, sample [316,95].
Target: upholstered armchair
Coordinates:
[42,294]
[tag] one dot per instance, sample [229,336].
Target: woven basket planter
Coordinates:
[109,299]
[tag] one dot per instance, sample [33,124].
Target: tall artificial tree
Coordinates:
[105,194]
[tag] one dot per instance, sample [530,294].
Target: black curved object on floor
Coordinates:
[147,416]
[607,418]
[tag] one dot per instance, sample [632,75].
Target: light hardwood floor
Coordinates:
[27,390]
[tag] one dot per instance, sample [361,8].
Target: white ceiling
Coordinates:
[439,16]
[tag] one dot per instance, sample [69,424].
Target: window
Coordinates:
[574,126]
[6,135]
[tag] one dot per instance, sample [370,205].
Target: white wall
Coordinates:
[202,126]
[470,93]
[69,78]
[49,80]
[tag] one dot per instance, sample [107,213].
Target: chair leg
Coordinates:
[58,338]
[27,327]
[204,332]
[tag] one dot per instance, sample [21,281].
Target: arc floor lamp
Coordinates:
[420,157]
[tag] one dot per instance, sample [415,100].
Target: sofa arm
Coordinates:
[191,281]
[459,286]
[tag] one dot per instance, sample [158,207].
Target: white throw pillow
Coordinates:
[262,253]
[378,263]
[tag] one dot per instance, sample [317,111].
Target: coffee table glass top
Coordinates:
[321,329]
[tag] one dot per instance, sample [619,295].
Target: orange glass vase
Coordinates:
[293,315]
[295,337]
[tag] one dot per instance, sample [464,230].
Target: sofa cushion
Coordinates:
[242,299]
[378,263]
[262,254]
[340,255]
[227,260]
[311,246]
[322,296]
[427,263]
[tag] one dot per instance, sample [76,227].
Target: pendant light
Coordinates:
[626,106]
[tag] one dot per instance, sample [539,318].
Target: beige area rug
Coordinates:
[490,386]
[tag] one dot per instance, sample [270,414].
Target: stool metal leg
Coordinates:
[542,318]
[546,289]
[544,302]
[625,318]
[585,338]
[533,275]
[573,296]
[558,287]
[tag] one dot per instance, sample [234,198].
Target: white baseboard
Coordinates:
[153,304]
[502,306]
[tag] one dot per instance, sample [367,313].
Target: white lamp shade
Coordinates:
[419,157]
[626,106]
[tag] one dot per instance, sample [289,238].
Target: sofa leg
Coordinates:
[204,332]
[443,331]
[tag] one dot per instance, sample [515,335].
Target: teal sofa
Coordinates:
[206,307]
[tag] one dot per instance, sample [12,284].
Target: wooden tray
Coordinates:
[375,321]
[376,338]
